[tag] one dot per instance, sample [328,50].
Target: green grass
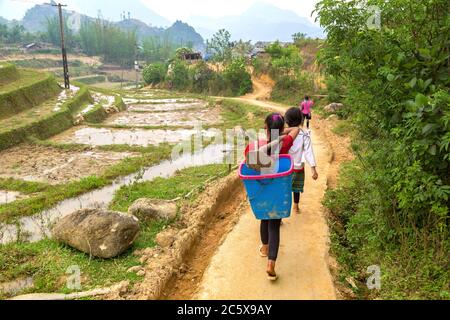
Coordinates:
[47,261]
[235,113]
[53,194]
[96,114]
[179,185]
[8,73]
[41,122]
[409,269]
[92,79]
[29,90]
[26,187]
[45,63]
[84,147]
[343,128]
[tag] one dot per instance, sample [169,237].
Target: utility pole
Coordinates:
[63,48]
[136,65]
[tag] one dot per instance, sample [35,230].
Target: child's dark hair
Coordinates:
[294,117]
[274,121]
[306,98]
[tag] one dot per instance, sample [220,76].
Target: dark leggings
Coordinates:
[296,197]
[270,235]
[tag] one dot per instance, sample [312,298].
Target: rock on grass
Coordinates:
[153,209]
[100,233]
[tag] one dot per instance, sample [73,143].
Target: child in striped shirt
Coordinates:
[300,151]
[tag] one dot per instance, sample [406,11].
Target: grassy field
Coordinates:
[47,261]
[52,194]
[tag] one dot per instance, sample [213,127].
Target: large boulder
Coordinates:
[334,107]
[100,233]
[153,209]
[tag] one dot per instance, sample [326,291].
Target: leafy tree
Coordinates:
[202,76]
[220,46]
[158,49]
[103,38]
[299,37]
[285,60]
[238,78]
[179,75]
[53,33]
[154,73]
[180,52]
[3,32]
[241,49]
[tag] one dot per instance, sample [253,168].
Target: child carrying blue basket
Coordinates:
[269,185]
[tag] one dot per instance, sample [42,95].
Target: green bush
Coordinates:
[118,102]
[261,65]
[237,77]
[335,89]
[291,90]
[179,75]
[154,73]
[397,88]
[202,77]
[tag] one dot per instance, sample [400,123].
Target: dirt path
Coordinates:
[236,271]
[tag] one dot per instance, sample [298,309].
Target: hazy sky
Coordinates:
[171,9]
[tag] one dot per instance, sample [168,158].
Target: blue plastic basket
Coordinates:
[270,195]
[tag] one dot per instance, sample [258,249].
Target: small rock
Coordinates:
[100,233]
[166,238]
[153,209]
[143,259]
[351,282]
[134,269]
[333,116]
[333,107]
[141,273]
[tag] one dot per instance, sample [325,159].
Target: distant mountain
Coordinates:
[261,22]
[35,20]
[143,30]
[184,34]
[114,10]
[180,33]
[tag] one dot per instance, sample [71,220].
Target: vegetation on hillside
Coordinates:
[285,65]
[200,77]
[392,206]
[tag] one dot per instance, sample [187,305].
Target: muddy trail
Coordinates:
[226,264]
